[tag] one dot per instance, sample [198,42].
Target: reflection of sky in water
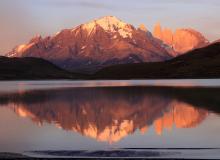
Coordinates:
[97,118]
[28,85]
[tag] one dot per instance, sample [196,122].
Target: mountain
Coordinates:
[31,68]
[182,40]
[94,45]
[199,63]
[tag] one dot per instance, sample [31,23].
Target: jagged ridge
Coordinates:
[94,45]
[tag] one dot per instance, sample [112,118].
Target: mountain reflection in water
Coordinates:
[110,114]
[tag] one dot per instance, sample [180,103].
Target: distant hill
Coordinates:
[199,63]
[31,68]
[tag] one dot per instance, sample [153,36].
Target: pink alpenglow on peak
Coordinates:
[110,24]
[94,45]
[182,40]
[108,41]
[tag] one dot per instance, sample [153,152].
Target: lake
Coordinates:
[154,118]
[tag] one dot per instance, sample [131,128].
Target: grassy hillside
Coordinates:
[31,68]
[199,63]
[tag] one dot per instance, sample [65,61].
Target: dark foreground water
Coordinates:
[130,118]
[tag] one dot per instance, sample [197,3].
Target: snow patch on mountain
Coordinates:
[110,24]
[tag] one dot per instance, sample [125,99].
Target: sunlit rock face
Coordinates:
[93,45]
[142,27]
[107,115]
[182,40]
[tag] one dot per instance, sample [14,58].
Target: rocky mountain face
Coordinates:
[91,46]
[109,41]
[182,40]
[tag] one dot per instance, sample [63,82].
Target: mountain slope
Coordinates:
[199,63]
[31,68]
[182,40]
[91,46]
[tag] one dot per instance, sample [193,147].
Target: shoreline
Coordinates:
[157,153]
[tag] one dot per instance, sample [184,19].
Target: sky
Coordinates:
[20,20]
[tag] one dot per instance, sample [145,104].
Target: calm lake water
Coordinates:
[108,115]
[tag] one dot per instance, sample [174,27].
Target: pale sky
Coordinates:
[23,19]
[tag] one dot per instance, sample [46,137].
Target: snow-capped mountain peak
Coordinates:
[110,24]
[99,43]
